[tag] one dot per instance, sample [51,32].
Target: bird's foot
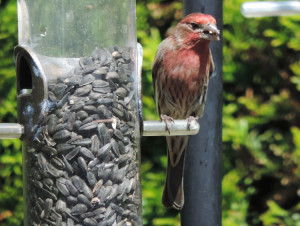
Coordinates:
[189,120]
[166,119]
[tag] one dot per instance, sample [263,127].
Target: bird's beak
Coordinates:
[212,32]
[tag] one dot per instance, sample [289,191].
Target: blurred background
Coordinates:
[261,117]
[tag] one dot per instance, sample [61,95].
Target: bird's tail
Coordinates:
[173,195]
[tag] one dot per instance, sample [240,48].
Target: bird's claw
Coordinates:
[189,120]
[167,119]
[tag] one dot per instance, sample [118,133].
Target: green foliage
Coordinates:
[261,129]
[11,200]
[234,200]
[260,119]
[275,215]
[149,41]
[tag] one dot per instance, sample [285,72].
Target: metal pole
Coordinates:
[203,166]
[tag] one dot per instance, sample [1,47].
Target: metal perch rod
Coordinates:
[264,9]
[176,128]
[151,128]
[11,130]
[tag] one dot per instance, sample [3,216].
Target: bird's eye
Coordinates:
[194,26]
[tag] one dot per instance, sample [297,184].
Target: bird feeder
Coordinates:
[78,68]
[77,88]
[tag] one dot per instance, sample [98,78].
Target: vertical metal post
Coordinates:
[203,167]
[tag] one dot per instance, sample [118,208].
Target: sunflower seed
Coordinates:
[72,200]
[88,126]
[90,222]
[73,81]
[52,123]
[70,222]
[42,163]
[114,76]
[57,162]
[81,115]
[60,183]
[48,182]
[82,164]
[78,182]
[102,89]
[83,90]
[71,120]
[100,84]
[48,194]
[69,168]
[90,109]
[105,101]
[121,147]
[97,187]
[119,134]
[86,153]
[104,196]
[93,163]
[90,69]
[62,135]
[84,200]
[63,100]
[102,151]
[115,148]
[91,178]
[60,206]
[121,92]
[64,147]
[87,215]
[101,71]
[89,78]
[77,106]
[108,136]
[84,158]
[102,130]
[49,151]
[74,138]
[72,153]
[59,90]
[79,209]
[95,96]
[95,143]
[114,192]
[87,192]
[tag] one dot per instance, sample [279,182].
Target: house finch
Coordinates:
[181,71]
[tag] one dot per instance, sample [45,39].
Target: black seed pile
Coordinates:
[82,167]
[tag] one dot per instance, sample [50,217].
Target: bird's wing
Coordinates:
[158,60]
[157,67]
[212,65]
[202,99]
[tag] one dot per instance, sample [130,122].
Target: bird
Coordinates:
[181,70]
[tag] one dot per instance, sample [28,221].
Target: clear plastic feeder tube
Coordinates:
[77,99]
